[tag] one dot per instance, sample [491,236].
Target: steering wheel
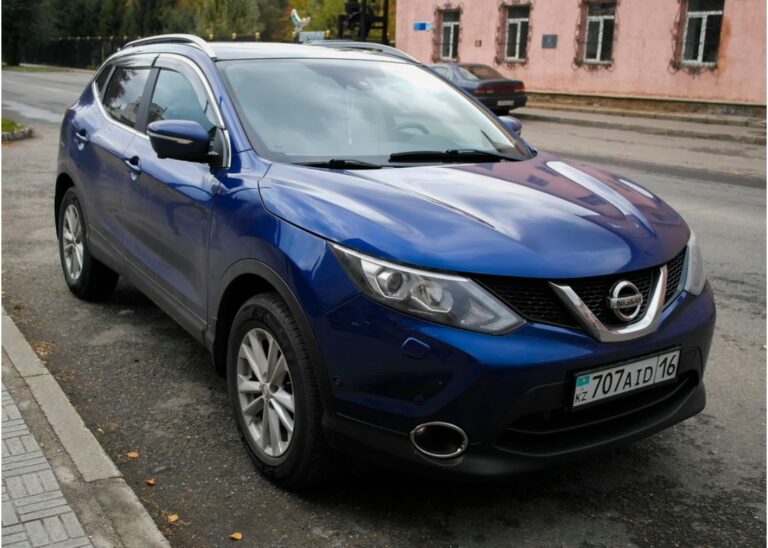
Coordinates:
[400,128]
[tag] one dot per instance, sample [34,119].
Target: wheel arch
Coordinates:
[243,280]
[63,183]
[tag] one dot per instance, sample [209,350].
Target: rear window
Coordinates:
[484,72]
[122,98]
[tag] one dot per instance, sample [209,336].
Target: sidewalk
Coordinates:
[59,488]
[724,128]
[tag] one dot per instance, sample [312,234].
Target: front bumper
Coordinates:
[510,394]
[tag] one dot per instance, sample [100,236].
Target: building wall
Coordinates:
[643,48]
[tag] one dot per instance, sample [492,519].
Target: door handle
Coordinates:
[81,138]
[134,165]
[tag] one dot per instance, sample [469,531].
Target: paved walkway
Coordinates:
[35,511]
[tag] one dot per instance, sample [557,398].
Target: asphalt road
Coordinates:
[140,383]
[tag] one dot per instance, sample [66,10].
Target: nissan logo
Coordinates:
[625,300]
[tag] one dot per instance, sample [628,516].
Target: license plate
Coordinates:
[600,384]
[506,103]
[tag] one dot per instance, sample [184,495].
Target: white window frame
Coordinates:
[704,16]
[600,19]
[518,21]
[454,34]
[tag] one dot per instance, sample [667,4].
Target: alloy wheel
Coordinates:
[265,391]
[72,242]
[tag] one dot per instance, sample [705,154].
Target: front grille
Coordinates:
[563,429]
[534,299]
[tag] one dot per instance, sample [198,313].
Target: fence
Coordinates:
[90,51]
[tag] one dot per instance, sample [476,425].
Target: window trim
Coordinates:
[704,16]
[517,21]
[454,26]
[601,19]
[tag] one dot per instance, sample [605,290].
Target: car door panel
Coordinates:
[167,203]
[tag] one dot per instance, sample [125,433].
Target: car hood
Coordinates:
[542,217]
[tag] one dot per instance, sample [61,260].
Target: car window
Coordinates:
[176,98]
[122,98]
[101,79]
[445,72]
[464,73]
[485,72]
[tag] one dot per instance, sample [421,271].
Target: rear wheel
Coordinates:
[86,276]
[274,393]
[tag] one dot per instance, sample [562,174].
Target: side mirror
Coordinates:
[512,124]
[180,140]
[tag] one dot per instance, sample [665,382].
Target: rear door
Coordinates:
[167,203]
[101,133]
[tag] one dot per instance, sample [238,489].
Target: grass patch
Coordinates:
[35,68]
[10,125]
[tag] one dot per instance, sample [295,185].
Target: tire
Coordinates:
[293,461]
[90,279]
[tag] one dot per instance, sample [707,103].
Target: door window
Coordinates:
[177,98]
[122,98]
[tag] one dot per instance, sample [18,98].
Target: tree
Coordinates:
[21,23]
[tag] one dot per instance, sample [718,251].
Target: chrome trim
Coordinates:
[174,39]
[646,325]
[169,138]
[459,451]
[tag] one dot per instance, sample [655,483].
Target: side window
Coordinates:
[176,98]
[101,79]
[703,22]
[601,19]
[124,91]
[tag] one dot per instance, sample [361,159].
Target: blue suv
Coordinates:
[377,263]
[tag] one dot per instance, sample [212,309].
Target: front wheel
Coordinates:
[274,393]
[86,276]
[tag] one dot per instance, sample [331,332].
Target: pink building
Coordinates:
[700,50]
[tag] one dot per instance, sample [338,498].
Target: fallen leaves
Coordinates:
[132,454]
[43,349]
[236,536]
[151,482]
[173,518]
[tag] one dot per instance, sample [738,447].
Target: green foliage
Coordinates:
[27,21]
[10,125]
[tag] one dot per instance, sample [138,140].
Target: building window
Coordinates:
[449,32]
[518,19]
[601,22]
[701,39]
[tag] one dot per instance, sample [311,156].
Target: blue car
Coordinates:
[378,264]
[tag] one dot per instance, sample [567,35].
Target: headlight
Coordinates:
[695,278]
[451,300]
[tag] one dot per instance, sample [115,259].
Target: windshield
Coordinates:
[317,110]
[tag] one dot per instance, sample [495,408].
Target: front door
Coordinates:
[167,203]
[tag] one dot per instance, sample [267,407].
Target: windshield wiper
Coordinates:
[442,156]
[340,163]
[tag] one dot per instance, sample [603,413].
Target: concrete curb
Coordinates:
[745,139]
[128,517]
[17,135]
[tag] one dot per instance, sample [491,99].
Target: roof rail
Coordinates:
[174,39]
[353,45]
